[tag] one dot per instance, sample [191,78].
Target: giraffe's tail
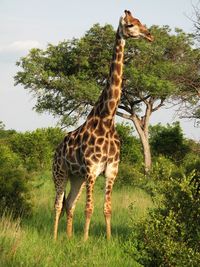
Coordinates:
[63,205]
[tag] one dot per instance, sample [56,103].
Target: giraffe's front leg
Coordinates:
[90,180]
[111,173]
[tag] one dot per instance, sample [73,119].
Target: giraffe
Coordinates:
[94,147]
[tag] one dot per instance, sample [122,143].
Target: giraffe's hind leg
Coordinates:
[110,173]
[90,180]
[60,184]
[75,191]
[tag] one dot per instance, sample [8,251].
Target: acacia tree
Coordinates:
[67,78]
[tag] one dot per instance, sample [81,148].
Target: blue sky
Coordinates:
[35,23]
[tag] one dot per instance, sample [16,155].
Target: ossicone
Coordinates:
[127,12]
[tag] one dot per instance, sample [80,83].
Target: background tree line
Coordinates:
[23,154]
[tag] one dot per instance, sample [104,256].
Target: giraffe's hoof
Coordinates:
[108,238]
[69,236]
[85,238]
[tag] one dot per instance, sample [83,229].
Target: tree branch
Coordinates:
[123,115]
[125,108]
[144,98]
[72,110]
[159,105]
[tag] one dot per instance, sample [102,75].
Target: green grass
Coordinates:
[29,242]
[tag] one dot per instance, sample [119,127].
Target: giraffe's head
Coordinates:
[130,27]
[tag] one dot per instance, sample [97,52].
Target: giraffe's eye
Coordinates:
[129,25]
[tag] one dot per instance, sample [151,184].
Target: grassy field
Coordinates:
[29,242]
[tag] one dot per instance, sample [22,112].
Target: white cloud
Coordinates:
[18,46]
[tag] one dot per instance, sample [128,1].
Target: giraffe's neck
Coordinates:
[108,101]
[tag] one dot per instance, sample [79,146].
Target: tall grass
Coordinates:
[10,238]
[31,243]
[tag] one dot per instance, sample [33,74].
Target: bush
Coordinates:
[191,162]
[163,169]
[130,168]
[13,185]
[36,148]
[168,141]
[170,236]
[131,150]
[128,175]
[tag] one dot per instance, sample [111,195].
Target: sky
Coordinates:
[25,24]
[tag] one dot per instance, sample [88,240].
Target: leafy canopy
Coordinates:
[66,79]
[168,141]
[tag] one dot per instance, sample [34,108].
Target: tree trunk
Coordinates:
[143,134]
[147,153]
[142,126]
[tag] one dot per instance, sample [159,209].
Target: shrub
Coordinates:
[130,168]
[13,184]
[36,148]
[170,236]
[128,175]
[168,141]
[192,162]
[163,169]
[131,151]
[54,136]
[162,173]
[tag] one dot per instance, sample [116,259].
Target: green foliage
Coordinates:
[131,151]
[130,168]
[191,160]
[36,148]
[129,175]
[13,183]
[67,78]
[168,141]
[54,136]
[1,125]
[4,134]
[164,169]
[170,235]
